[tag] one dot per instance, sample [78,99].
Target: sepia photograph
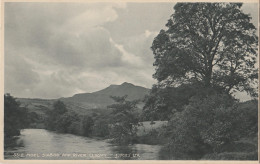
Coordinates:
[130,80]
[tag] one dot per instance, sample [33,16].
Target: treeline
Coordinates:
[62,120]
[120,125]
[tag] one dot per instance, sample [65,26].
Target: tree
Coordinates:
[59,108]
[15,117]
[211,43]
[124,120]
[87,124]
[68,122]
[163,102]
[101,127]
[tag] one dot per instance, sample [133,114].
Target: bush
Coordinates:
[74,128]
[15,117]
[67,122]
[207,125]
[154,137]
[101,128]
[125,121]
[86,125]
[59,109]
[247,118]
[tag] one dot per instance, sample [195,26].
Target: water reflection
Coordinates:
[43,144]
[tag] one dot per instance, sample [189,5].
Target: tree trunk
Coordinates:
[208,76]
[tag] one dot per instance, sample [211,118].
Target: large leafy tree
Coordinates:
[211,43]
[125,120]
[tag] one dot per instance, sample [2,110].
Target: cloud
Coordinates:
[138,17]
[127,57]
[19,75]
[59,49]
[54,49]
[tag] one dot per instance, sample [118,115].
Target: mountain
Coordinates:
[87,103]
[101,99]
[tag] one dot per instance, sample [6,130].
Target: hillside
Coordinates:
[87,103]
[101,99]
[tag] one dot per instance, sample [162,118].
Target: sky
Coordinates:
[56,50]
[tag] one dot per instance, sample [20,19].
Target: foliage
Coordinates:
[101,128]
[213,43]
[66,122]
[247,119]
[207,53]
[87,124]
[15,117]
[59,108]
[124,120]
[213,122]
[62,120]
[162,103]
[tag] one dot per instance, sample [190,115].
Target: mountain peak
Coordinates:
[102,97]
[127,84]
[123,84]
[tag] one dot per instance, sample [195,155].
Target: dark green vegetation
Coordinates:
[211,126]
[61,120]
[207,53]
[119,123]
[125,121]
[16,118]
[211,43]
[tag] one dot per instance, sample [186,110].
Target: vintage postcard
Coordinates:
[117,81]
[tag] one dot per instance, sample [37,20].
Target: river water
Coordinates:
[43,144]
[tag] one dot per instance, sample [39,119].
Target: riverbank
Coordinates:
[147,133]
[11,142]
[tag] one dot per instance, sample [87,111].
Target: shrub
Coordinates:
[86,125]
[125,121]
[207,125]
[64,123]
[101,128]
[15,117]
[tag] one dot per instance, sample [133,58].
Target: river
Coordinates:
[43,144]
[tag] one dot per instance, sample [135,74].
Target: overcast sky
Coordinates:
[55,50]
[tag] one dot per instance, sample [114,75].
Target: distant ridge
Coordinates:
[100,99]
